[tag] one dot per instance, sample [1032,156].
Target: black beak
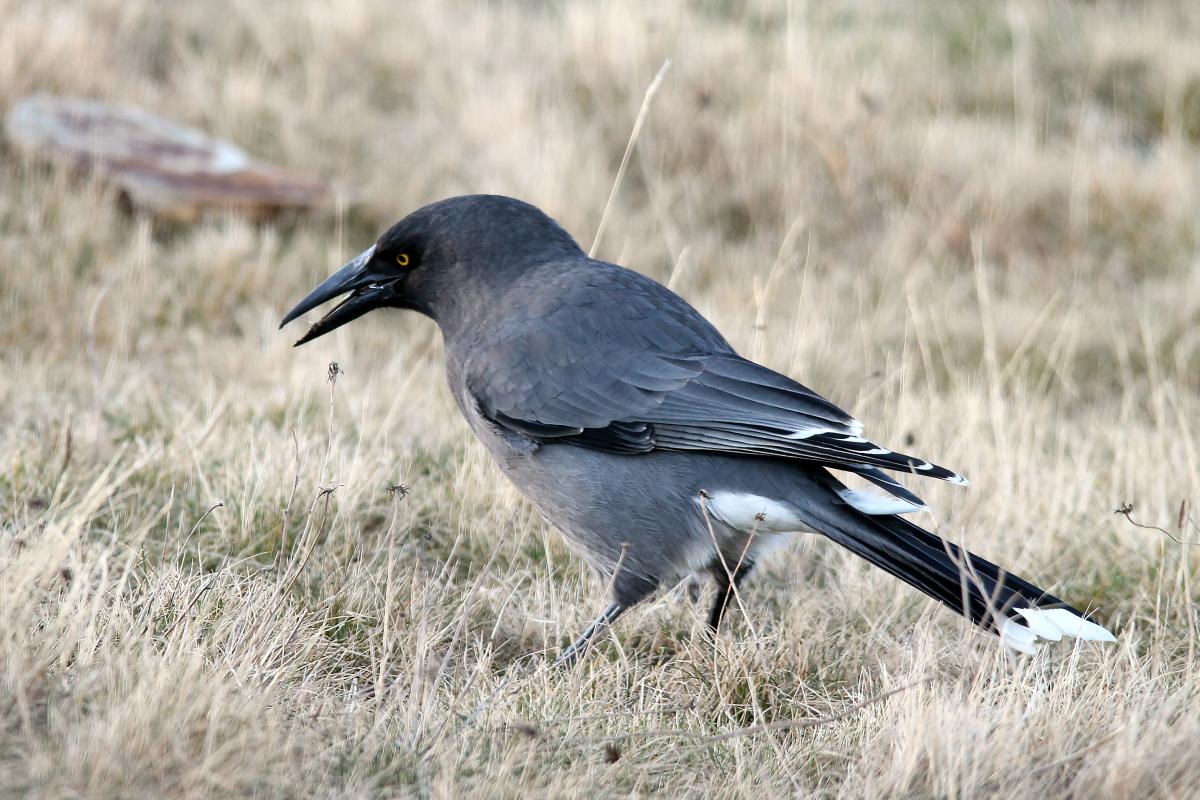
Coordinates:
[369,290]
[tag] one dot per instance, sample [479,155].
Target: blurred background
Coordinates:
[974,225]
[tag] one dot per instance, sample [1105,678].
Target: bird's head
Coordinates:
[441,260]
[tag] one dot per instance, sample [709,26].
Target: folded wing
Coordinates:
[635,371]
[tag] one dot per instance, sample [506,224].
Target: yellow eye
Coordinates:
[402,259]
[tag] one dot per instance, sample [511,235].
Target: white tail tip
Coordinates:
[1048,623]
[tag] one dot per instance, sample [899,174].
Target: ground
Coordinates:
[227,568]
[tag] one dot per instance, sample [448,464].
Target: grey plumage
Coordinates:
[637,431]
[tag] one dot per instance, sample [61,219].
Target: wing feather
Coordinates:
[619,363]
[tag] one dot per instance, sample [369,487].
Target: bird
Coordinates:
[635,428]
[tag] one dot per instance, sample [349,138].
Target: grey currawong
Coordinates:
[639,433]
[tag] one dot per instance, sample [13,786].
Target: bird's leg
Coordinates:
[728,582]
[577,648]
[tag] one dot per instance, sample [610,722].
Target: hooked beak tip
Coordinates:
[354,278]
[291,315]
[297,310]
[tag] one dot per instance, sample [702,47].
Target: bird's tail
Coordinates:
[1016,610]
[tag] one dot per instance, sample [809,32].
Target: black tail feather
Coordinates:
[962,581]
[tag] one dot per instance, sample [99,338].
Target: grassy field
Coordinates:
[973,225]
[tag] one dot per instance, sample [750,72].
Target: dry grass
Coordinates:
[975,226]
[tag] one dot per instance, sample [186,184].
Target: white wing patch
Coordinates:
[752,513]
[879,503]
[1048,623]
[850,432]
[806,433]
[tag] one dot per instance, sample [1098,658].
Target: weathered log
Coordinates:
[172,170]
